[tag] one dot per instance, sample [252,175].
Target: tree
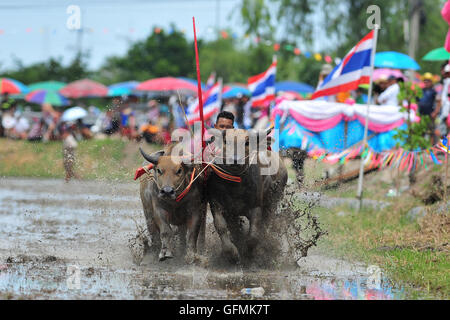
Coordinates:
[256,18]
[161,54]
[53,69]
[345,24]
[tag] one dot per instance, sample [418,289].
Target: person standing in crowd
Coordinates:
[443,104]
[69,147]
[389,96]
[8,120]
[240,111]
[324,73]
[427,102]
[128,119]
[248,121]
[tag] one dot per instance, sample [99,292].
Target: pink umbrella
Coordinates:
[84,88]
[380,73]
[166,84]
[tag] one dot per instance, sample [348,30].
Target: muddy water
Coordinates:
[69,241]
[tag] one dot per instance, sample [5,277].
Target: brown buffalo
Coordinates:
[255,197]
[159,192]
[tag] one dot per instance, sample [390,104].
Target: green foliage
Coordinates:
[256,18]
[161,54]
[345,23]
[414,136]
[53,69]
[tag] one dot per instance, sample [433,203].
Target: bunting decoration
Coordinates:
[398,159]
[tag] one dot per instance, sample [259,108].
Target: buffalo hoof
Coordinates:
[252,242]
[232,255]
[165,254]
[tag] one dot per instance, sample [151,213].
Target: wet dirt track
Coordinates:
[69,241]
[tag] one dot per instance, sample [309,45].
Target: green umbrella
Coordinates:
[47,85]
[439,54]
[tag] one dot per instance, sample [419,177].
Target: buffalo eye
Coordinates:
[158,171]
[179,171]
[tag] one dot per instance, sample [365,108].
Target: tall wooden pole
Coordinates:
[366,128]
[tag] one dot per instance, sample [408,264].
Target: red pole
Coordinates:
[200,97]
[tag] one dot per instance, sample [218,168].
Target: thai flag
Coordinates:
[354,70]
[211,80]
[262,86]
[212,102]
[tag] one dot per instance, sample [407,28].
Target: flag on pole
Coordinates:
[211,80]
[262,86]
[211,105]
[354,70]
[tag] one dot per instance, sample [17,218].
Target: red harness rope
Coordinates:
[226,176]
[184,193]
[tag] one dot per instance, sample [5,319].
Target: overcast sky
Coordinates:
[34,30]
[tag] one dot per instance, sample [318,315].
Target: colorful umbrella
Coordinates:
[73,114]
[83,89]
[395,60]
[439,54]
[45,96]
[166,84]
[193,81]
[232,92]
[122,88]
[294,86]
[47,85]
[12,86]
[386,73]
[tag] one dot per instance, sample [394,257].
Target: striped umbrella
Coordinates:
[11,86]
[122,88]
[47,96]
[47,85]
[84,88]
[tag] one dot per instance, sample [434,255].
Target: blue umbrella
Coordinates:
[395,60]
[294,86]
[235,91]
[122,88]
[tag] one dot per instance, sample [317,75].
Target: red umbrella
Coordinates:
[84,88]
[166,84]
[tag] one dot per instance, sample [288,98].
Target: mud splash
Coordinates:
[70,241]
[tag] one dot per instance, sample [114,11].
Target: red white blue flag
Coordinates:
[262,86]
[211,80]
[354,70]
[212,102]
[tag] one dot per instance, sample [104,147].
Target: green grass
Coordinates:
[388,239]
[110,159]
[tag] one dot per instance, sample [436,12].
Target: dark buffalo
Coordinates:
[159,192]
[255,197]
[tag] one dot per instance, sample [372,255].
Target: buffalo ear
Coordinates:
[153,158]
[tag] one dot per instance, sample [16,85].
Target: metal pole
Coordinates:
[366,128]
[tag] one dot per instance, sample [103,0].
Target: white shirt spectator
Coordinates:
[445,103]
[22,125]
[389,97]
[8,121]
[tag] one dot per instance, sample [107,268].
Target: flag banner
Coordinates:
[211,104]
[262,86]
[354,70]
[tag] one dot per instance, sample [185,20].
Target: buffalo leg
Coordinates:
[166,236]
[255,217]
[229,248]
[192,232]
[202,234]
